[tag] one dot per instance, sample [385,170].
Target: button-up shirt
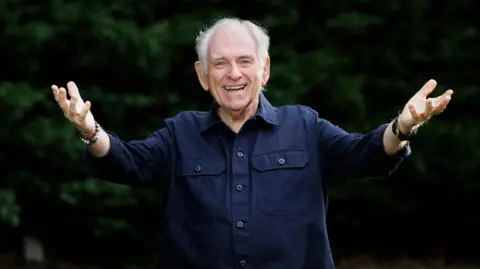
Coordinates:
[254,199]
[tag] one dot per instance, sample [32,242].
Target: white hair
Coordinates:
[259,33]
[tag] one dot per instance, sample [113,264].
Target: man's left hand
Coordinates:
[421,108]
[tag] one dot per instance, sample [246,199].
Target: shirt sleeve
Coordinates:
[137,162]
[357,155]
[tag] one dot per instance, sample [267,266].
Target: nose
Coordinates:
[235,73]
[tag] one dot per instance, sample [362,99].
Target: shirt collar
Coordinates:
[265,111]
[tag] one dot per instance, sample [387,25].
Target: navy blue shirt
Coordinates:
[253,199]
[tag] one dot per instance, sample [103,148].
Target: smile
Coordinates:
[235,88]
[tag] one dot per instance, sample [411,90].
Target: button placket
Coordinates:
[240,198]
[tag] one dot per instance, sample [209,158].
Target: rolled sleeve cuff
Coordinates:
[381,163]
[97,163]
[378,140]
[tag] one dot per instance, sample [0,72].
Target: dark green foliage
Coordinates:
[356,62]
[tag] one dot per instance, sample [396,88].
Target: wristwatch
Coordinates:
[399,134]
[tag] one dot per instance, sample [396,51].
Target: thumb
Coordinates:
[85,109]
[83,116]
[427,88]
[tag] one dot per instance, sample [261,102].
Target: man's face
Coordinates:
[234,75]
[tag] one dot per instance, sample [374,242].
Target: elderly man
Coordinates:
[244,183]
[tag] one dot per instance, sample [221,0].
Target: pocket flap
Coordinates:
[280,160]
[200,167]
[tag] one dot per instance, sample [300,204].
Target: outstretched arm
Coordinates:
[379,152]
[138,162]
[135,162]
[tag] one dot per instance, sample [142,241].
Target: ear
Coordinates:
[266,71]
[202,78]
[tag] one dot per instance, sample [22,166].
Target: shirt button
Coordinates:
[240,154]
[198,168]
[243,263]
[239,224]
[281,161]
[239,187]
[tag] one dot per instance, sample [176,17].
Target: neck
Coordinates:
[236,118]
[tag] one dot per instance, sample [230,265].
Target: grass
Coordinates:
[359,262]
[364,262]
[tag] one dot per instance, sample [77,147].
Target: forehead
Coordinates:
[232,41]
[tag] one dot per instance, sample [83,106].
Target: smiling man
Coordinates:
[233,67]
[244,183]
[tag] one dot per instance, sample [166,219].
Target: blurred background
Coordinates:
[355,62]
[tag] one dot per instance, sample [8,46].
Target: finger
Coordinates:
[428,88]
[429,106]
[439,109]
[73,106]
[85,109]
[413,112]
[442,105]
[55,92]
[447,95]
[62,100]
[443,101]
[73,90]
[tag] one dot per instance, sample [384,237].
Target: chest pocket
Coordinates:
[198,167]
[284,184]
[201,183]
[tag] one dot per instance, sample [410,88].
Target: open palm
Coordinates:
[75,109]
[421,108]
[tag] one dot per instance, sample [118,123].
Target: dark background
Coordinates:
[355,62]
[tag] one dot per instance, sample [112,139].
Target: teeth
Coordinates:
[235,87]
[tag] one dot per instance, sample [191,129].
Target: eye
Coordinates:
[219,63]
[245,62]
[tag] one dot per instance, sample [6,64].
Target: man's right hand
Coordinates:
[75,110]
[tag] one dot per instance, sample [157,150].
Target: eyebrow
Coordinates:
[216,58]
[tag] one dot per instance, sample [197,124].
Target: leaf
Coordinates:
[9,209]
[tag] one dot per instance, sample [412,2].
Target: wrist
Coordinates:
[91,136]
[401,130]
[87,130]
[404,128]
[87,133]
